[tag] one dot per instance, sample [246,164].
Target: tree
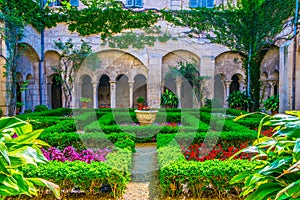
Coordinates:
[251,28]
[71,59]
[188,72]
[13,22]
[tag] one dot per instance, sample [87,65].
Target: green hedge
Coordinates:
[54,112]
[87,177]
[226,139]
[200,179]
[63,139]
[63,126]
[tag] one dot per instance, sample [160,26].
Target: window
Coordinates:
[201,3]
[134,3]
[58,2]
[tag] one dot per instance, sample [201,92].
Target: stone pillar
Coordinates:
[49,95]
[23,98]
[154,79]
[95,94]
[178,90]
[207,69]
[79,94]
[227,90]
[242,84]
[113,94]
[131,83]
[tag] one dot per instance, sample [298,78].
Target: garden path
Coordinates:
[144,183]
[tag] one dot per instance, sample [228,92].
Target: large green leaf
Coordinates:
[265,191]
[292,190]
[44,183]
[27,128]
[296,150]
[18,161]
[239,177]
[30,152]
[264,142]
[4,152]
[28,138]
[276,166]
[9,185]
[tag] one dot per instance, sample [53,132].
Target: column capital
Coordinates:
[227,82]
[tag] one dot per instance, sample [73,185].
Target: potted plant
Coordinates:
[272,104]
[169,99]
[18,107]
[140,101]
[84,101]
[237,100]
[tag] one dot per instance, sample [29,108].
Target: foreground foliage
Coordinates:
[278,176]
[19,147]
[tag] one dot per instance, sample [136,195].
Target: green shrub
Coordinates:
[126,143]
[63,140]
[88,177]
[40,108]
[54,112]
[209,178]
[63,126]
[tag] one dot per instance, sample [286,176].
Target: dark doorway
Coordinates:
[56,93]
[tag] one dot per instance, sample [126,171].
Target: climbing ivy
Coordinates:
[136,40]
[250,28]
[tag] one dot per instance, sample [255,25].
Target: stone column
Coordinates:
[23,100]
[49,95]
[113,94]
[131,83]
[241,82]
[79,94]
[178,90]
[207,69]
[154,79]
[227,89]
[95,94]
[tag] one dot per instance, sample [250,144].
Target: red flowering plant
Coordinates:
[203,152]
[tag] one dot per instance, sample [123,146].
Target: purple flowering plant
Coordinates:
[70,154]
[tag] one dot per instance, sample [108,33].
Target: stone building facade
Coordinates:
[125,74]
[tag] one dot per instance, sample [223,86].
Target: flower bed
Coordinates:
[202,152]
[70,154]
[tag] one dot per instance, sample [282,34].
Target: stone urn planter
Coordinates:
[146,117]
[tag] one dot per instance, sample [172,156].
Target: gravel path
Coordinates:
[144,183]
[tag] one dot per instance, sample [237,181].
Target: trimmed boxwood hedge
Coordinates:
[227,139]
[115,172]
[200,179]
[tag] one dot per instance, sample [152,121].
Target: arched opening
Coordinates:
[87,89]
[235,85]
[104,92]
[275,77]
[170,84]
[19,79]
[122,92]
[56,93]
[186,96]
[139,88]
[218,89]
[29,93]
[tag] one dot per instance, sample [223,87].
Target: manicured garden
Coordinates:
[90,151]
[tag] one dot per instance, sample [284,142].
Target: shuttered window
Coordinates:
[74,2]
[57,2]
[201,3]
[134,3]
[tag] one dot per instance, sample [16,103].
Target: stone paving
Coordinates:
[144,184]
